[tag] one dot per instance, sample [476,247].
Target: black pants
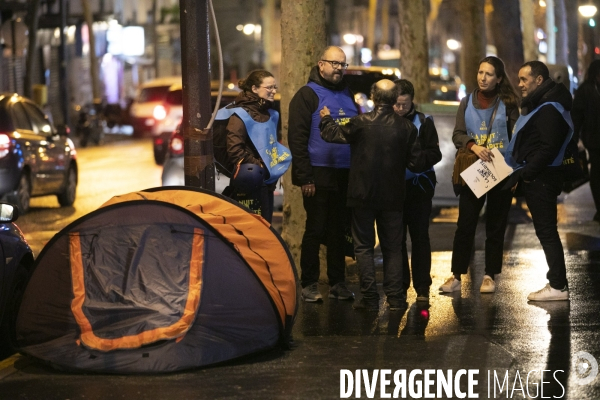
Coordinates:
[541,199]
[389,230]
[417,210]
[595,176]
[326,220]
[469,207]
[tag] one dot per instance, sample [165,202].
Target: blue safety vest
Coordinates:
[476,121]
[413,175]
[275,156]
[342,108]
[522,121]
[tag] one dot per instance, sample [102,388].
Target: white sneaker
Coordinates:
[451,285]
[488,285]
[548,293]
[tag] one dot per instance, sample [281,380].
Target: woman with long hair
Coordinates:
[586,118]
[252,145]
[484,121]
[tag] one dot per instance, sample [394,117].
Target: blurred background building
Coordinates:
[137,40]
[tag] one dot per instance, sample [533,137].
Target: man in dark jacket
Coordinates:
[383,144]
[536,152]
[420,188]
[321,170]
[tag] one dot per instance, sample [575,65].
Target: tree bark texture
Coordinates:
[89,20]
[506,28]
[414,47]
[528,30]
[32,26]
[473,45]
[562,36]
[573,34]
[303,38]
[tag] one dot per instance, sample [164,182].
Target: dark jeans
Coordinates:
[541,199]
[595,176]
[417,210]
[389,230]
[326,220]
[469,206]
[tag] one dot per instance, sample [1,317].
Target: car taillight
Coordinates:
[4,145]
[176,145]
[159,113]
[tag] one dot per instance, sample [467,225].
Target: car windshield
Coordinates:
[155,93]
[361,81]
[174,97]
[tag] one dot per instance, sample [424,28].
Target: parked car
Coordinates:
[168,114]
[360,80]
[173,173]
[445,88]
[16,262]
[36,159]
[149,95]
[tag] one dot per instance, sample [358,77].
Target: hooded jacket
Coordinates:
[540,140]
[382,145]
[304,103]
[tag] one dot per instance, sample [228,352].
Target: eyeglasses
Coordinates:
[337,64]
[270,88]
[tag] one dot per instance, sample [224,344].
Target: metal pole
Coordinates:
[195,66]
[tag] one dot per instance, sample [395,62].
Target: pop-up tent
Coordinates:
[159,280]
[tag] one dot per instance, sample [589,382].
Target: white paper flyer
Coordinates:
[482,175]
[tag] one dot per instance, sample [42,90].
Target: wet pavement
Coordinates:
[504,341]
[507,341]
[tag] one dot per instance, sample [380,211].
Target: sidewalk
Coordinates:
[495,335]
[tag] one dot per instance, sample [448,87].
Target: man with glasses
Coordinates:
[321,170]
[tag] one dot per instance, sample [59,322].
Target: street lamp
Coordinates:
[587,11]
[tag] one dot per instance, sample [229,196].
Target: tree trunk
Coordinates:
[89,20]
[528,30]
[506,28]
[562,36]
[474,40]
[550,34]
[573,28]
[32,26]
[414,49]
[303,38]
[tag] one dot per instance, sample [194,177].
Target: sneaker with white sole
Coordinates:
[548,293]
[488,285]
[451,285]
[311,293]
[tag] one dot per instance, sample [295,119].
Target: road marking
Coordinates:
[7,366]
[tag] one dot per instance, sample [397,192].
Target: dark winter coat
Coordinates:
[428,140]
[382,145]
[304,103]
[540,140]
[586,114]
[239,145]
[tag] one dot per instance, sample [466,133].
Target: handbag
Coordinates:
[577,171]
[465,157]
